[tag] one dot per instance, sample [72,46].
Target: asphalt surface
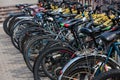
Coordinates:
[12,65]
[13,2]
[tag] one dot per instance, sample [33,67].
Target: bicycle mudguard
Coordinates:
[81,57]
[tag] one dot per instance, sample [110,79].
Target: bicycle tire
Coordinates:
[40,61]
[28,46]
[79,73]
[115,74]
[90,59]
[20,22]
[27,34]
[6,25]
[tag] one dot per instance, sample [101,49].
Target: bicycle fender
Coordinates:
[81,57]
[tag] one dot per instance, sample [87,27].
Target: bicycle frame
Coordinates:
[115,47]
[82,56]
[107,58]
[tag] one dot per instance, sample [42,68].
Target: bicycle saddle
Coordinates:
[86,31]
[68,15]
[110,35]
[72,23]
[96,31]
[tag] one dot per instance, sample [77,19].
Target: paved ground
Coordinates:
[13,2]
[12,65]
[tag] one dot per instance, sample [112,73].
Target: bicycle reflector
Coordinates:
[66,25]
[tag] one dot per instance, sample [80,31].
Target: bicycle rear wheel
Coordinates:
[95,63]
[110,75]
[52,61]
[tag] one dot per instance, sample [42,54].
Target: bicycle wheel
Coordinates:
[32,49]
[96,64]
[17,35]
[78,73]
[11,23]
[52,60]
[110,75]
[21,25]
[16,30]
[6,25]
[27,35]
